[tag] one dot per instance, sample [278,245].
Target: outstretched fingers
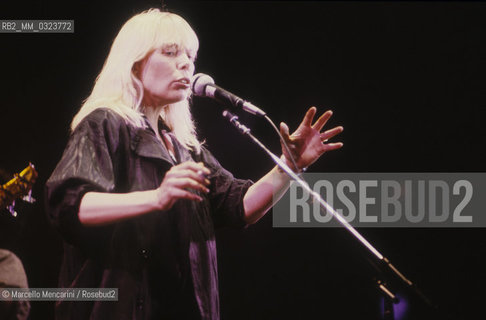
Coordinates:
[328,134]
[284,131]
[309,116]
[322,120]
[333,146]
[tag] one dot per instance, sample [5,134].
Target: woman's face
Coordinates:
[166,75]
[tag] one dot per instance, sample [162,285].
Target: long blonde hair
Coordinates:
[117,87]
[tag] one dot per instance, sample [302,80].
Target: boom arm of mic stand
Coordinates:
[233,119]
[246,131]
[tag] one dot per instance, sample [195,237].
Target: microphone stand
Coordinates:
[390,298]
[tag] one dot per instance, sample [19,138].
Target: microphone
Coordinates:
[204,86]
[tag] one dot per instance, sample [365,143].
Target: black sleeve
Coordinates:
[226,194]
[86,165]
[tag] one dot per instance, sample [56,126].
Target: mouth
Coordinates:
[183,81]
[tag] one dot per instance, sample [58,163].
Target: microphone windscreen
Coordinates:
[199,82]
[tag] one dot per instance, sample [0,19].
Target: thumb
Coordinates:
[284,130]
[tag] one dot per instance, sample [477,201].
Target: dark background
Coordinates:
[405,79]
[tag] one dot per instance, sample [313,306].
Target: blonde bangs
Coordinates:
[175,30]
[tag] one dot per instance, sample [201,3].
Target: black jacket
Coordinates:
[163,263]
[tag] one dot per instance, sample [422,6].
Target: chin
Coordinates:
[181,97]
[175,98]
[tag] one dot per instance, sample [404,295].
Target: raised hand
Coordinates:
[308,143]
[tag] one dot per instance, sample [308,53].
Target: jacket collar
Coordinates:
[181,153]
[145,143]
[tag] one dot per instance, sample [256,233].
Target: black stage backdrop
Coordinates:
[405,79]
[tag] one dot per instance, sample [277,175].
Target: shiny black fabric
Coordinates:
[163,263]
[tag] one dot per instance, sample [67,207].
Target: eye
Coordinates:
[191,56]
[170,52]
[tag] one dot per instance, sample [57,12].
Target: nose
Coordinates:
[184,63]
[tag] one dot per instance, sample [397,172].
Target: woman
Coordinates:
[137,197]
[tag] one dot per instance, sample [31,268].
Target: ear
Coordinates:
[137,66]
